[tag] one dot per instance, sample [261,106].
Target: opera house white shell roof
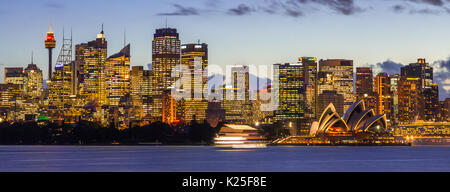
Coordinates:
[356,119]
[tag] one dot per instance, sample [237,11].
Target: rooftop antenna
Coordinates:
[32,57]
[166,22]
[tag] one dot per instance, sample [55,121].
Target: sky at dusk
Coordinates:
[384,34]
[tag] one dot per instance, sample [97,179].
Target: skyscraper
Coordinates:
[15,75]
[364,82]
[166,54]
[117,76]
[408,98]
[328,97]
[195,57]
[383,94]
[364,86]
[292,107]
[33,81]
[311,86]
[421,70]
[136,90]
[236,100]
[90,65]
[429,102]
[337,74]
[394,97]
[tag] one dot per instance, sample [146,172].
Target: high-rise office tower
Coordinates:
[364,86]
[429,103]
[166,54]
[337,74]
[421,70]
[383,95]
[290,78]
[311,86]
[236,100]
[364,82]
[408,98]
[15,75]
[136,90]
[50,43]
[11,96]
[90,62]
[327,97]
[195,58]
[33,81]
[394,97]
[117,76]
[147,89]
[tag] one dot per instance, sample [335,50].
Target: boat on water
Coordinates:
[239,137]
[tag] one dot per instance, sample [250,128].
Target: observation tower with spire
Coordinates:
[50,43]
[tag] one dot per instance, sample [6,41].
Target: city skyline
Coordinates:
[358,30]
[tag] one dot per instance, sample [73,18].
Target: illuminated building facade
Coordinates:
[60,84]
[429,103]
[90,60]
[421,70]
[261,106]
[166,54]
[292,106]
[137,91]
[327,97]
[195,57]
[33,81]
[444,111]
[364,86]
[15,76]
[170,112]
[394,95]
[408,98]
[11,99]
[311,86]
[383,94]
[236,99]
[364,82]
[337,74]
[422,128]
[117,76]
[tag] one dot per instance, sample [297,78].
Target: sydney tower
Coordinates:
[50,43]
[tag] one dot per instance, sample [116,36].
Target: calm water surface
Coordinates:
[205,159]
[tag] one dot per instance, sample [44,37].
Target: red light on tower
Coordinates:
[50,39]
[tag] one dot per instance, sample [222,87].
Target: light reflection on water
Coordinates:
[206,159]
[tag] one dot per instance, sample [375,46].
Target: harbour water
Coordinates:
[212,159]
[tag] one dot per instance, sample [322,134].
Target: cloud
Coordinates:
[435,7]
[430,2]
[441,70]
[54,5]
[389,67]
[181,11]
[398,8]
[425,11]
[242,9]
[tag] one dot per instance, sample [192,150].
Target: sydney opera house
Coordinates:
[357,123]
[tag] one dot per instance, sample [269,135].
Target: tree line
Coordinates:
[91,133]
